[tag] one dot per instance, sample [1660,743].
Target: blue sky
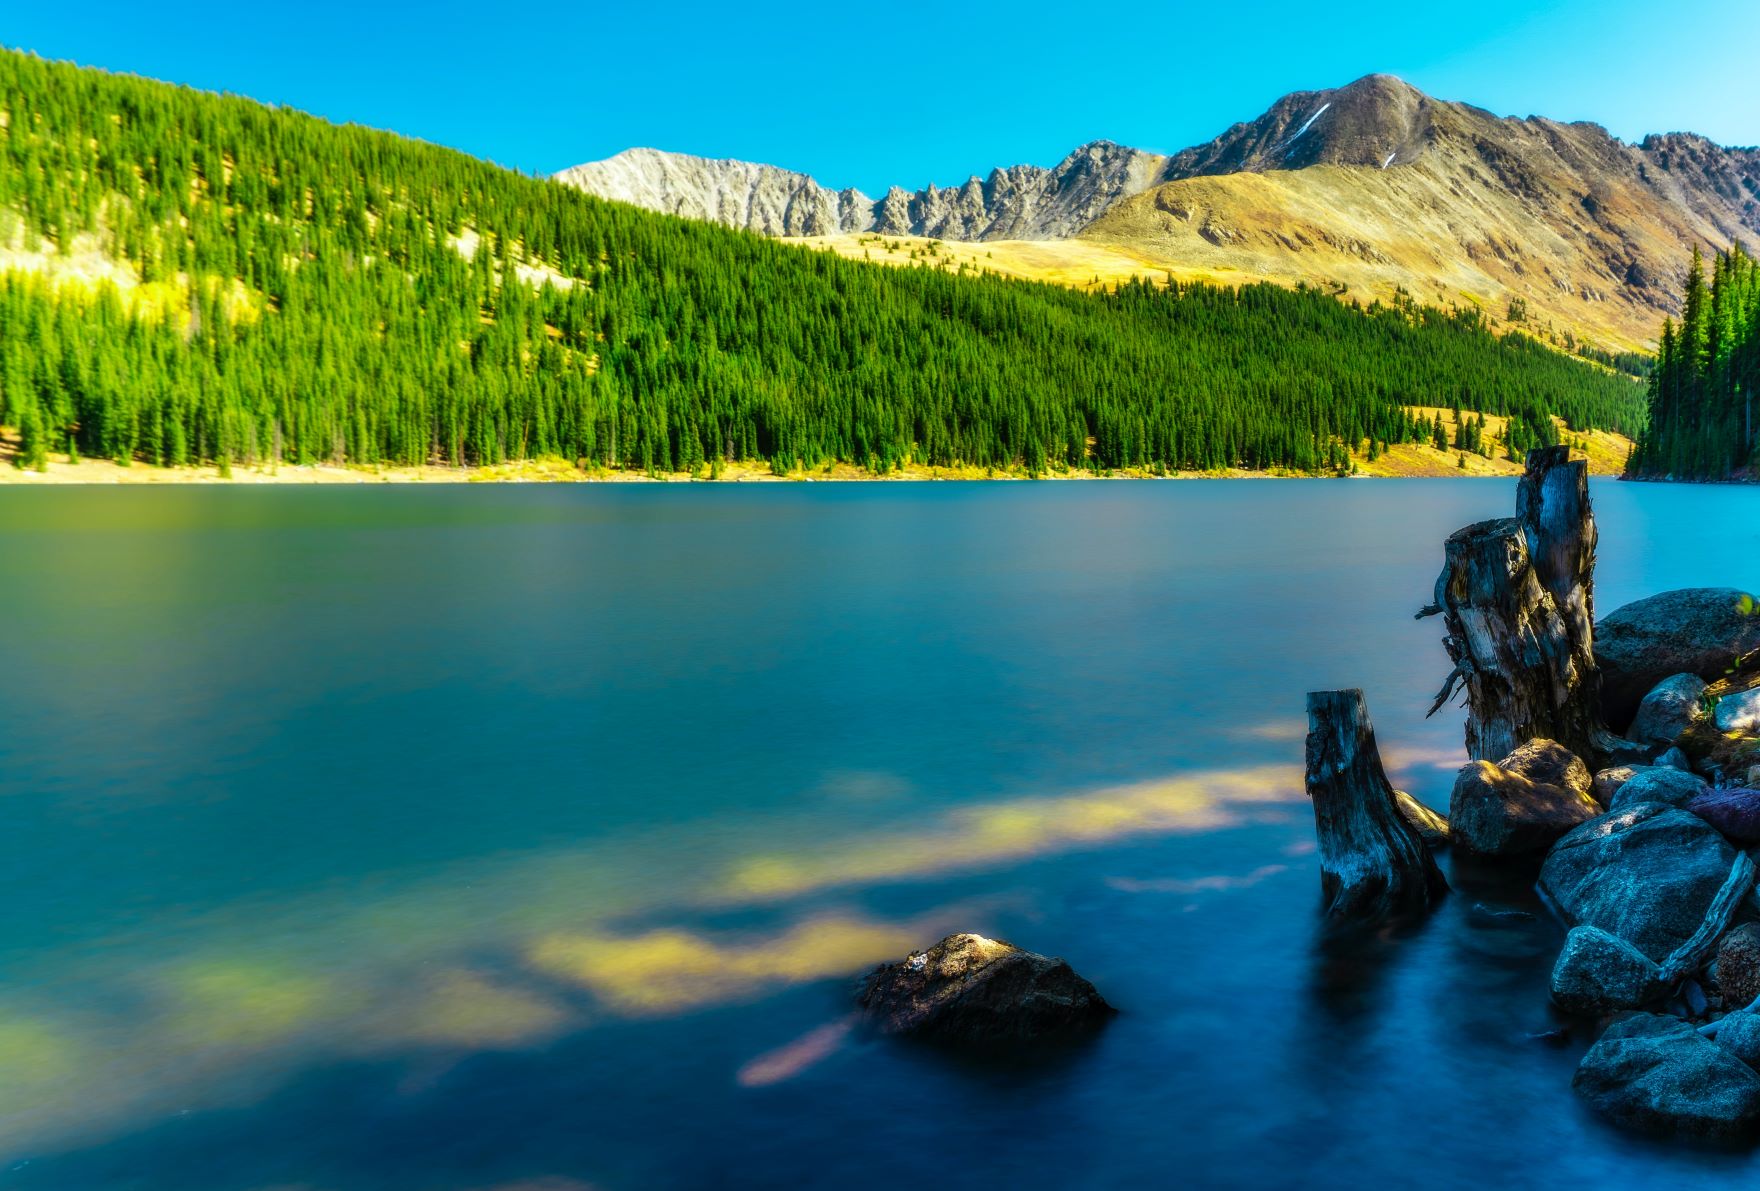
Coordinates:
[865,95]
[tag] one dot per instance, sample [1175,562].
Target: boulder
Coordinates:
[1647,874]
[1608,781]
[1754,777]
[1655,1074]
[1598,973]
[1431,827]
[1739,1033]
[1740,712]
[1733,810]
[1657,783]
[1675,758]
[1738,966]
[972,990]
[1522,804]
[1698,630]
[1672,706]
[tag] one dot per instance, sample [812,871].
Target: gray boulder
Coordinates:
[1647,874]
[1522,804]
[1657,1075]
[1657,783]
[1672,706]
[1739,1033]
[1598,973]
[1674,758]
[972,990]
[1740,712]
[1699,630]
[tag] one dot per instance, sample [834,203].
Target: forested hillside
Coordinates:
[1702,415]
[286,288]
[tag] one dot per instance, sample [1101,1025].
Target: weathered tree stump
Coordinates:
[1372,862]
[1517,600]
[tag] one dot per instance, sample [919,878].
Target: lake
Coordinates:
[529,837]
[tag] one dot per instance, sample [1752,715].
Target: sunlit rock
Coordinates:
[973,990]
[1522,804]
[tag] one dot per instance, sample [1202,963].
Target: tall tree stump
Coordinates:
[1517,601]
[1372,862]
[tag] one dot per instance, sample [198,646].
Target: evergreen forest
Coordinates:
[188,277]
[1702,415]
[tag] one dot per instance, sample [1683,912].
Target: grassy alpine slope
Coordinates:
[192,278]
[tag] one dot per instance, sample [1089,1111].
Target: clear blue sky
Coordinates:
[857,96]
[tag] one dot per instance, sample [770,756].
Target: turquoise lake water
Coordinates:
[505,837]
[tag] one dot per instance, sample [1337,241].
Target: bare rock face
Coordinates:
[1524,803]
[975,991]
[1021,202]
[1698,630]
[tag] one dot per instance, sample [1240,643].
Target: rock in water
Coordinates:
[1699,630]
[1598,973]
[1738,965]
[1522,804]
[1648,875]
[1735,811]
[1431,827]
[1657,783]
[1672,706]
[976,991]
[1655,1074]
[1740,712]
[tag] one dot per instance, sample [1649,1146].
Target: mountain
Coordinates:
[1022,202]
[1370,189]
[192,278]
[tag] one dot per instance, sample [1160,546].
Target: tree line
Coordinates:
[1702,417]
[299,291]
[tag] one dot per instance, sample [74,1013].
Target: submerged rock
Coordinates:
[1733,810]
[1672,706]
[1598,973]
[1657,1075]
[1738,965]
[1698,630]
[977,991]
[1522,804]
[1662,784]
[1647,874]
[1740,712]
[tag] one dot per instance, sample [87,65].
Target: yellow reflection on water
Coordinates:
[1019,829]
[464,1008]
[667,971]
[238,1002]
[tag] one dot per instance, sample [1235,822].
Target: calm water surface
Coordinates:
[501,837]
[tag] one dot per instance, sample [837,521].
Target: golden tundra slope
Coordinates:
[1453,204]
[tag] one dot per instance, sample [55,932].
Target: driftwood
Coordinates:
[1517,601]
[1372,862]
[1690,956]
